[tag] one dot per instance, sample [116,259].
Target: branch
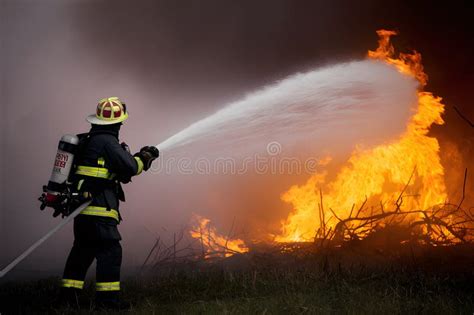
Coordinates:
[149,254]
[463,117]
[463,189]
[399,201]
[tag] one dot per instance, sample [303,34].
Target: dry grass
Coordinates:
[357,278]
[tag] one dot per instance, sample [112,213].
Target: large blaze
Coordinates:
[373,179]
[399,184]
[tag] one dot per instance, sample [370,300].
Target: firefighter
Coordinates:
[101,165]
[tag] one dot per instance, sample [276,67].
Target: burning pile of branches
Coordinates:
[374,177]
[444,224]
[212,244]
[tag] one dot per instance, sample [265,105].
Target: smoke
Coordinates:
[172,69]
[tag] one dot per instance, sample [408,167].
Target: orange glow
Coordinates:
[378,175]
[212,243]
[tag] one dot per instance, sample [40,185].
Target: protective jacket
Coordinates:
[102,164]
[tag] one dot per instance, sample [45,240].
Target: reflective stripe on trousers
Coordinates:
[107,286]
[71,283]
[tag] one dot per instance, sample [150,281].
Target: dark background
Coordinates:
[177,61]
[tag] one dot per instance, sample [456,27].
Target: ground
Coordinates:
[272,284]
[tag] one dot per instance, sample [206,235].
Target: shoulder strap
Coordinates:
[83,141]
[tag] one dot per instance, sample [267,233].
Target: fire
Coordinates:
[212,243]
[376,176]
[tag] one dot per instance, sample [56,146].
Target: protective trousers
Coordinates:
[109,259]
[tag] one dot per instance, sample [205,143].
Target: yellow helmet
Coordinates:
[110,110]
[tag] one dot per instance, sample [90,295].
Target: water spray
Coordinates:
[344,104]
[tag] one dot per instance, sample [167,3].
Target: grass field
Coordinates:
[269,286]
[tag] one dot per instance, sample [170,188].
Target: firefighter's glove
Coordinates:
[58,210]
[148,154]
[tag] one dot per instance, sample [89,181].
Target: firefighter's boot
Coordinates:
[70,298]
[111,301]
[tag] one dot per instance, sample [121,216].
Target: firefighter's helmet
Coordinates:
[110,110]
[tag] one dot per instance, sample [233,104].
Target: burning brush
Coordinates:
[399,185]
[212,243]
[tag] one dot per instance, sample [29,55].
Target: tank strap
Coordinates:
[101,162]
[79,184]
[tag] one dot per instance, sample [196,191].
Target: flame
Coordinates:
[212,243]
[411,162]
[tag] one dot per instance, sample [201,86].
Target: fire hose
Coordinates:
[27,252]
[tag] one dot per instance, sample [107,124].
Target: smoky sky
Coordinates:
[174,62]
